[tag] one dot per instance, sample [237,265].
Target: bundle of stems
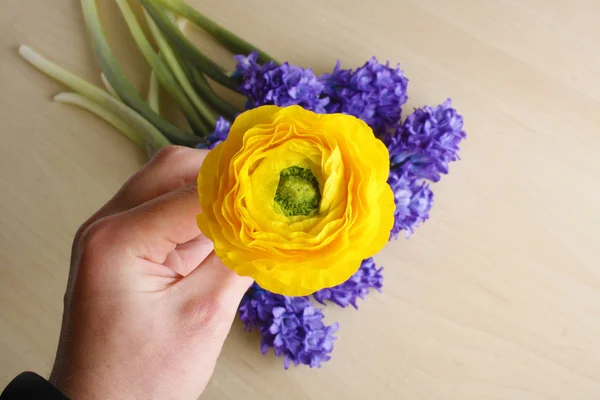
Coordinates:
[177,65]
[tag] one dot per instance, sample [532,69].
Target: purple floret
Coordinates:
[222,128]
[413,202]
[292,326]
[374,93]
[427,141]
[367,277]
[282,85]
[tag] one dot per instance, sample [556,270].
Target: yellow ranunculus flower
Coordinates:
[296,200]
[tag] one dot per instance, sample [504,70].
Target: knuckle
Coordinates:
[79,235]
[186,191]
[205,312]
[170,154]
[77,240]
[98,233]
[81,230]
[99,258]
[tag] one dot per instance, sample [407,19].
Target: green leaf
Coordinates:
[154,93]
[186,48]
[202,86]
[78,100]
[116,77]
[171,59]
[108,86]
[152,136]
[228,39]
[162,71]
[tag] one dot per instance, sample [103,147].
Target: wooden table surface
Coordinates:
[497,296]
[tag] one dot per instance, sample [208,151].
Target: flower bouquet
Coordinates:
[302,188]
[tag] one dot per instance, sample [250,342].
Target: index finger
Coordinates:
[154,229]
[171,168]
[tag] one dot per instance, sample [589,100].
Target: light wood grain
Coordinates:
[496,297]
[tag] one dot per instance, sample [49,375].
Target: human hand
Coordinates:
[148,305]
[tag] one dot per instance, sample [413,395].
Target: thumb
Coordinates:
[154,229]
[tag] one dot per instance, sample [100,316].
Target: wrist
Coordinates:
[88,382]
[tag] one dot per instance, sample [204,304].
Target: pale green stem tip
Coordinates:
[80,101]
[108,86]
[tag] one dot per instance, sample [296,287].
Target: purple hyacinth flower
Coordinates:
[374,93]
[413,201]
[220,133]
[367,277]
[282,85]
[290,325]
[427,141]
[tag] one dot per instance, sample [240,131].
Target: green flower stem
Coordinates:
[202,86]
[185,47]
[228,39]
[171,59]
[123,87]
[153,137]
[162,71]
[154,93]
[108,87]
[80,101]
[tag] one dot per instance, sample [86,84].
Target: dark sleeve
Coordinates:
[31,386]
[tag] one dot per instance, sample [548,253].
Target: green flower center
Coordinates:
[298,192]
